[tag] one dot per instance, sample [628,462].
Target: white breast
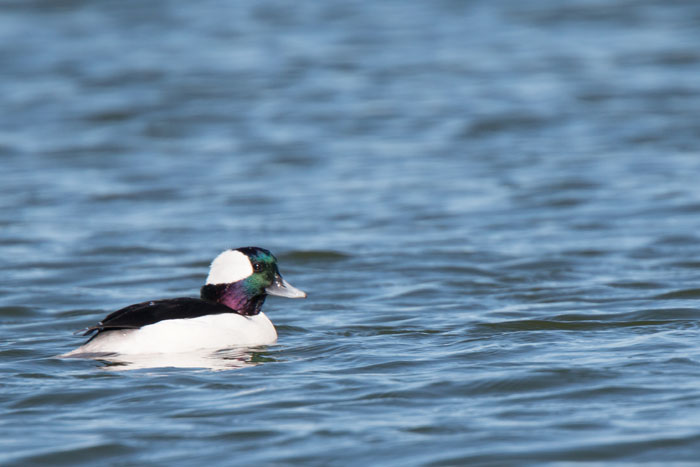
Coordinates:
[184,335]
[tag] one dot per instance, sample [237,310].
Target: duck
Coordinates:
[227,314]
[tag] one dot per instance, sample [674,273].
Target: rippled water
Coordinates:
[493,205]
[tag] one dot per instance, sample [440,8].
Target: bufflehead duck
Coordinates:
[227,314]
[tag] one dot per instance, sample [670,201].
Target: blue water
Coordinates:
[494,207]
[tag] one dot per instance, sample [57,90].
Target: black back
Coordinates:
[142,314]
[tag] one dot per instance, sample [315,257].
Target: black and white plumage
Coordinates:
[227,314]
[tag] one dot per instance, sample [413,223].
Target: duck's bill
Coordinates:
[282,288]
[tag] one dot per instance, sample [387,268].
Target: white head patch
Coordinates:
[230,266]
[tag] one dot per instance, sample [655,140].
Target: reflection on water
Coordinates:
[227,359]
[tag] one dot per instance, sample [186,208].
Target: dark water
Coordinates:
[493,205]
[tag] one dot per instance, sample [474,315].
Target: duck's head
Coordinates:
[242,278]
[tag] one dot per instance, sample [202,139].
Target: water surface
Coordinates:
[493,206]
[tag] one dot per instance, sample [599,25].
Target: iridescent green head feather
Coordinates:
[241,278]
[264,265]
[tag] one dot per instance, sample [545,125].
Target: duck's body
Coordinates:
[184,335]
[227,315]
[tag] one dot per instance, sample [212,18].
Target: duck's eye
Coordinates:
[257,267]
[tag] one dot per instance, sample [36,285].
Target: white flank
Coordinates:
[184,335]
[230,266]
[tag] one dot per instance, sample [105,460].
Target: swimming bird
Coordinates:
[227,314]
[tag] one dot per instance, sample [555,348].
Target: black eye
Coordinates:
[257,267]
